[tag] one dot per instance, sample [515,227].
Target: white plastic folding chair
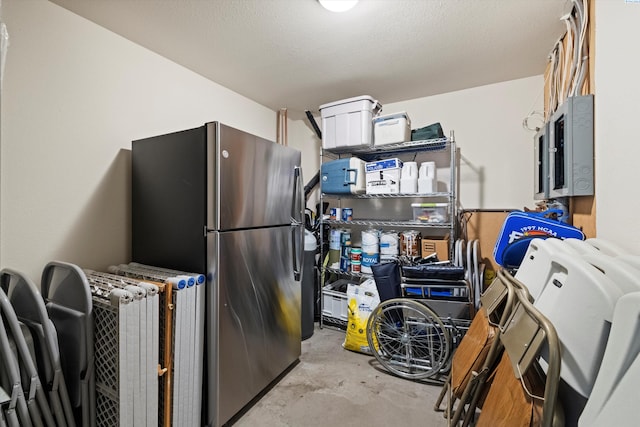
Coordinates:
[613,400]
[579,300]
[537,264]
[606,246]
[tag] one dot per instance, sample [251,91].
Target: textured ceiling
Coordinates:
[295,54]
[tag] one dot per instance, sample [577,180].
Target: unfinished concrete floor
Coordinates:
[332,386]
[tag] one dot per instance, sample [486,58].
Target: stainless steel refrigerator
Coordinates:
[220,201]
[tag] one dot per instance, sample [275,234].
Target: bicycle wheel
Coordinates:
[408,338]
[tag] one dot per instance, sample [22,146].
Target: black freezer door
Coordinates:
[168,200]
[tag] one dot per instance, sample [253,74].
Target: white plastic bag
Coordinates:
[361,300]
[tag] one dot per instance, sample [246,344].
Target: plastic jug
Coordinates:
[427,182]
[409,178]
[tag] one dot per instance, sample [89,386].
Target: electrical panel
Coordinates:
[541,164]
[570,139]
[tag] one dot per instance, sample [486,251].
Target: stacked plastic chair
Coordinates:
[126,349]
[580,286]
[183,342]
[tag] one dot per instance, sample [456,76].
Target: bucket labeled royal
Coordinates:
[368,260]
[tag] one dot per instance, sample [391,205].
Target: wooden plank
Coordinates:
[582,209]
[485,226]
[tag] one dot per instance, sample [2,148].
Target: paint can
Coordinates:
[356,266]
[368,260]
[335,214]
[389,243]
[356,254]
[371,241]
[410,242]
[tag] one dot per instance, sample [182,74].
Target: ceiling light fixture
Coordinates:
[338,5]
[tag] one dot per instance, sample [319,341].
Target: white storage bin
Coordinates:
[348,123]
[430,212]
[391,129]
[334,301]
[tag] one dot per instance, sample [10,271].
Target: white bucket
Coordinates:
[389,243]
[369,259]
[371,241]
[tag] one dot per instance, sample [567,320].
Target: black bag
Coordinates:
[431,271]
[388,280]
[433,131]
[389,283]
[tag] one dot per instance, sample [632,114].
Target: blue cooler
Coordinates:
[342,176]
[520,228]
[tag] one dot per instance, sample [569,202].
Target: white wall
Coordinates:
[74,97]
[496,151]
[617,136]
[496,167]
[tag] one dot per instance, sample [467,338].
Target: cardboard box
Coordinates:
[383,176]
[439,246]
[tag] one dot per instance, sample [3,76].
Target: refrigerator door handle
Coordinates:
[297,223]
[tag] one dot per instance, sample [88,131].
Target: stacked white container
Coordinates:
[409,178]
[427,182]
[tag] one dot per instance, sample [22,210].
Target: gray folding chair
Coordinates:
[468,377]
[17,413]
[29,308]
[68,300]
[527,332]
[4,401]
[20,335]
